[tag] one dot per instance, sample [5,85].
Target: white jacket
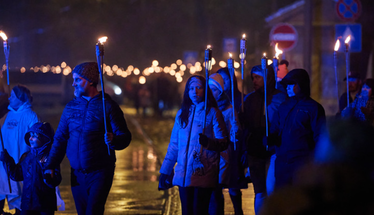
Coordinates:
[14,126]
[194,169]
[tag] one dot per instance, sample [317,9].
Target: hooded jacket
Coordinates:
[36,194]
[253,118]
[80,134]
[297,127]
[14,126]
[194,169]
[231,168]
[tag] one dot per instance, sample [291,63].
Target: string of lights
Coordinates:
[177,69]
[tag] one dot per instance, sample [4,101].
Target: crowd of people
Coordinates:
[277,132]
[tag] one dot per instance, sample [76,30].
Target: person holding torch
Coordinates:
[81,136]
[254,130]
[195,155]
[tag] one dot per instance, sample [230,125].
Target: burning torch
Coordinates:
[347,64]
[336,48]
[6,52]
[230,66]
[100,62]
[264,70]
[243,51]
[275,63]
[208,61]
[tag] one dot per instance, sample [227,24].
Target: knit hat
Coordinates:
[88,71]
[257,70]
[216,80]
[352,75]
[22,93]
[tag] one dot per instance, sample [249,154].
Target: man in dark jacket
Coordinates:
[296,127]
[354,86]
[81,135]
[254,122]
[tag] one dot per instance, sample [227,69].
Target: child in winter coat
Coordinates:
[38,196]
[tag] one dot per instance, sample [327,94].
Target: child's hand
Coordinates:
[5,157]
[48,177]
[48,172]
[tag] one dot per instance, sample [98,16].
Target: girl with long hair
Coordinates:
[195,151]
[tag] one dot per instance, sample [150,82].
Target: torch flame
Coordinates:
[230,55]
[103,39]
[347,39]
[337,45]
[3,35]
[243,36]
[209,46]
[277,51]
[264,54]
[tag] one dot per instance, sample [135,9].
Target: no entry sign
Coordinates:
[348,10]
[285,35]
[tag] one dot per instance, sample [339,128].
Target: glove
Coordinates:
[47,178]
[5,157]
[165,182]
[203,140]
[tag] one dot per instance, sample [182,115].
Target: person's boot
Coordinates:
[237,203]
[18,212]
[2,202]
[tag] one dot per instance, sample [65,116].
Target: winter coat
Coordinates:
[254,120]
[36,195]
[80,134]
[14,126]
[343,101]
[354,109]
[231,173]
[194,169]
[296,128]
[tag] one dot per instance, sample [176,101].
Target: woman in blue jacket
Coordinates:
[196,155]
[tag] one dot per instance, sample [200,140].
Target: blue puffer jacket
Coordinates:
[80,134]
[193,170]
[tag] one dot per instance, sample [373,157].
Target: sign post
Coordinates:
[354,31]
[348,10]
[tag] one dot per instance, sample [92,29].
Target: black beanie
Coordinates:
[88,71]
[22,93]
